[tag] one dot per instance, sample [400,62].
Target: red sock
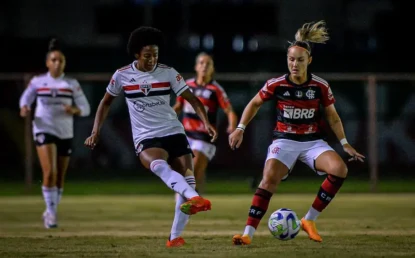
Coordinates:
[327,191]
[259,207]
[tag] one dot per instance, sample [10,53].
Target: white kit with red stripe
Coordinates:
[51,94]
[148,99]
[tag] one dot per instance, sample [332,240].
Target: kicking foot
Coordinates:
[195,205]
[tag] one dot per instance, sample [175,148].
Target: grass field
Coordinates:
[154,186]
[354,225]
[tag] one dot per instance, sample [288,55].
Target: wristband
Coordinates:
[241,127]
[343,141]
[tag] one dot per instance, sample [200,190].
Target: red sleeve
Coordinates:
[327,95]
[223,99]
[267,92]
[180,99]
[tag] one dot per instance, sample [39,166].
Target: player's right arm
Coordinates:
[113,90]
[27,99]
[266,93]
[235,138]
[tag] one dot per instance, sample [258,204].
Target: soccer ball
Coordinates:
[284,224]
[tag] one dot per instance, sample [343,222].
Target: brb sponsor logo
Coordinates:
[298,113]
[140,107]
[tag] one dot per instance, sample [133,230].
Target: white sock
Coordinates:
[249,230]
[60,192]
[50,195]
[180,218]
[312,214]
[172,179]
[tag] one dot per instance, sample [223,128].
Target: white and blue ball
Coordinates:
[284,224]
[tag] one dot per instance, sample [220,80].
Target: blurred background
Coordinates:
[368,62]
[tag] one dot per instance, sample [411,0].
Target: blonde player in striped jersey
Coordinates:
[53,124]
[159,138]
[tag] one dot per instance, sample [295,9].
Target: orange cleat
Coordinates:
[195,205]
[177,242]
[241,240]
[309,226]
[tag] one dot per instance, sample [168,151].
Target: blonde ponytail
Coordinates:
[313,32]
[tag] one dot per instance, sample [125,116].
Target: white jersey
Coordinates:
[51,95]
[148,99]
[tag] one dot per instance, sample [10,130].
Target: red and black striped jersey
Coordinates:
[213,97]
[298,106]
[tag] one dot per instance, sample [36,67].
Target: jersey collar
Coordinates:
[287,78]
[134,67]
[60,77]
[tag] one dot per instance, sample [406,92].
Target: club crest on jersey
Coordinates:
[145,88]
[310,94]
[54,92]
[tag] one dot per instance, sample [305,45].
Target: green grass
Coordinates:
[231,186]
[354,225]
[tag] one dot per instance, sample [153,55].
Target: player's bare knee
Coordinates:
[269,182]
[339,169]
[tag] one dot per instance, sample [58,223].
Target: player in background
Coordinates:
[58,99]
[297,136]
[213,97]
[159,137]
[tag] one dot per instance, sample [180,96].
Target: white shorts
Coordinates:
[288,152]
[206,148]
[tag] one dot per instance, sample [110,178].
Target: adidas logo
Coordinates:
[132,80]
[286,94]
[173,184]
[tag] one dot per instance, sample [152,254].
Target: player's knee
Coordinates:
[269,182]
[49,177]
[339,169]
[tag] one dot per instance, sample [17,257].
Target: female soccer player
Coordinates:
[297,135]
[159,137]
[53,124]
[213,96]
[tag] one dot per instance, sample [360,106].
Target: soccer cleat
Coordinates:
[177,242]
[241,240]
[49,220]
[309,226]
[195,205]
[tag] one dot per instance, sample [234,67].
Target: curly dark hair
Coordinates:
[144,36]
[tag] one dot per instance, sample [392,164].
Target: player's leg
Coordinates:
[276,168]
[64,148]
[155,159]
[323,159]
[47,154]
[203,153]
[184,165]
[200,164]
[63,163]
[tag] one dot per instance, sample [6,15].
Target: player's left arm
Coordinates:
[181,89]
[178,106]
[336,125]
[200,111]
[82,107]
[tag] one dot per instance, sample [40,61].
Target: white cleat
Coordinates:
[49,220]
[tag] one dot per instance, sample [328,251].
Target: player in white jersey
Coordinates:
[159,137]
[55,96]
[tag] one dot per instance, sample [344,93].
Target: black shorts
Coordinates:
[63,146]
[176,145]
